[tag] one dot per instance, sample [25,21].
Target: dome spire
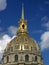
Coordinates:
[22,11]
[22,29]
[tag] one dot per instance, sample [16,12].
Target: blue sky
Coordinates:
[37,15]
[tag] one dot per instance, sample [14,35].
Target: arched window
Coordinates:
[26,58]
[16,58]
[7,59]
[35,58]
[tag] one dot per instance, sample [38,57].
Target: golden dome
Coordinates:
[22,41]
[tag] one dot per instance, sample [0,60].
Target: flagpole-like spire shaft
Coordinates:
[22,11]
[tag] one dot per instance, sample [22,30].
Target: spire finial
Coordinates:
[22,11]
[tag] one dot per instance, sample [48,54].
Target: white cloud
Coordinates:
[3,4]
[44,19]
[46,25]
[3,43]
[12,30]
[44,44]
[44,41]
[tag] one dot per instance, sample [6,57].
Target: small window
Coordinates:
[16,58]
[7,59]
[35,58]
[23,26]
[26,58]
